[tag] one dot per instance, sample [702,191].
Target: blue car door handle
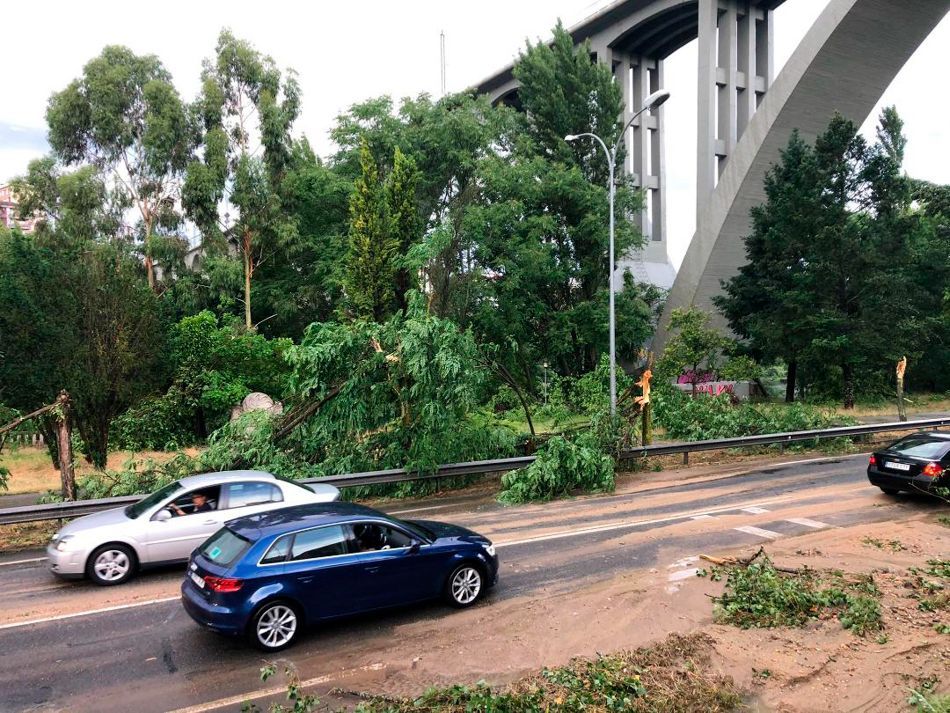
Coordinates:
[372,570]
[306,579]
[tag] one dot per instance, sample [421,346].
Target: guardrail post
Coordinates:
[685,457]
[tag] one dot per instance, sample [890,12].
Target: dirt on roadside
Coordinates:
[820,667]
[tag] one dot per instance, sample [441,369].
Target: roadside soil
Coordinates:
[821,667]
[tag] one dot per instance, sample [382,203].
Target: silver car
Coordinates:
[110,546]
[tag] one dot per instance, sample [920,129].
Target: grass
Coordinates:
[928,702]
[892,545]
[671,676]
[31,470]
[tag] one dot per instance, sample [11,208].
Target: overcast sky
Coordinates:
[345,52]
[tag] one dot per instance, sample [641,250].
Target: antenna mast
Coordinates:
[442,43]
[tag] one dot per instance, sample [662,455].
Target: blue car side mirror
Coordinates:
[413,547]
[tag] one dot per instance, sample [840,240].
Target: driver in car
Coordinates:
[199,503]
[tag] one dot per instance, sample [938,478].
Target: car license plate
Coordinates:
[200,581]
[896,466]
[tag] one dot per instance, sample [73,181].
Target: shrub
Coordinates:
[561,468]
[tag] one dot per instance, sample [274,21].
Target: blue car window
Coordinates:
[322,542]
[278,551]
[224,546]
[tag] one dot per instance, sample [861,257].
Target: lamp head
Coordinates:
[570,137]
[656,99]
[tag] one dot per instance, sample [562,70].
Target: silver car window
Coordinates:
[244,494]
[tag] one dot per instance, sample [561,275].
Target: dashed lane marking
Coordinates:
[704,516]
[685,561]
[808,523]
[754,510]
[758,532]
[277,691]
[683,574]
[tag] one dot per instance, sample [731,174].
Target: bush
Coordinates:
[703,417]
[561,468]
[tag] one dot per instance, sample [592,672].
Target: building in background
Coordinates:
[8,212]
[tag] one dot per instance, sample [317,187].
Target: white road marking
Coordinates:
[808,523]
[754,510]
[60,617]
[33,559]
[704,516]
[683,574]
[277,690]
[404,512]
[758,532]
[631,524]
[684,562]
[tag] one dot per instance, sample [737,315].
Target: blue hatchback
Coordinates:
[269,575]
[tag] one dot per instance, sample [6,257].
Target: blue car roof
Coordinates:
[273,522]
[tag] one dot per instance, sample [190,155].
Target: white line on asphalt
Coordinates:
[683,574]
[754,510]
[403,512]
[684,561]
[279,690]
[808,523]
[60,617]
[704,516]
[632,524]
[758,532]
[33,559]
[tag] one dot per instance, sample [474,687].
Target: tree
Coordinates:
[124,117]
[762,303]
[373,247]
[405,229]
[247,108]
[695,350]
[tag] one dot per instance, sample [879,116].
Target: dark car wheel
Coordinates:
[464,585]
[111,564]
[275,626]
[889,491]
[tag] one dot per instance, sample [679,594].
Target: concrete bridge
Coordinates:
[745,115]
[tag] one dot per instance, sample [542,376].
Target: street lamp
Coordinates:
[651,102]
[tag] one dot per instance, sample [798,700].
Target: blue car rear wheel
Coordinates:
[275,626]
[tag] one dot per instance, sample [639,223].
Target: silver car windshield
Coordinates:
[136,509]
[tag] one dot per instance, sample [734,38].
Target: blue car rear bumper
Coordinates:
[224,620]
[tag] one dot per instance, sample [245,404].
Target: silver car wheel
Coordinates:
[466,585]
[276,626]
[112,565]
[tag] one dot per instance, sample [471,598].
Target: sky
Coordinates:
[347,52]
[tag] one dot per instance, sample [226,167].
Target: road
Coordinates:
[77,647]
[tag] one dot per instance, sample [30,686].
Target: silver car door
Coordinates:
[176,537]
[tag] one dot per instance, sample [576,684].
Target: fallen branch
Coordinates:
[739,562]
[298,416]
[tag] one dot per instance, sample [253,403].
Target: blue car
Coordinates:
[269,575]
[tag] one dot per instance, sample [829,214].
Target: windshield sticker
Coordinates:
[215,551]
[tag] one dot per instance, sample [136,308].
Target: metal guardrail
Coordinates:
[57,511]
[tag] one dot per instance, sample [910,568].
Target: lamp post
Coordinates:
[651,102]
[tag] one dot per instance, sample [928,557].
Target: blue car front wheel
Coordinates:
[464,585]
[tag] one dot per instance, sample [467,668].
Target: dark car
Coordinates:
[915,463]
[267,576]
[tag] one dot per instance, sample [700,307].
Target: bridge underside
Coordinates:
[844,64]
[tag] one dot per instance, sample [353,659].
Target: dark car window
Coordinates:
[136,509]
[372,536]
[224,546]
[187,505]
[244,494]
[322,542]
[278,551]
[921,447]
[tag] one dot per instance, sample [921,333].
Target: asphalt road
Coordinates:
[60,651]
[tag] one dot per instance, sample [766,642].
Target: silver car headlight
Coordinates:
[62,543]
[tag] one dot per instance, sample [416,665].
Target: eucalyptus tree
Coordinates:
[124,117]
[232,192]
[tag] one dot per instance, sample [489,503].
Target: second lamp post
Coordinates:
[651,102]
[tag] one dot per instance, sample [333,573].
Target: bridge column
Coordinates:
[735,71]
[644,161]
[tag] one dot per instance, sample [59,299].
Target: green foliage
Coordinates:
[670,677]
[299,703]
[562,468]
[371,269]
[696,349]
[761,596]
[928,701]
[708,417]
[215,367]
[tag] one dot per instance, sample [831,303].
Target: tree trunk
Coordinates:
[247,284]
[65,448]
[646,422]
[901,411]
[149,263]
[790,377]
[848,375]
